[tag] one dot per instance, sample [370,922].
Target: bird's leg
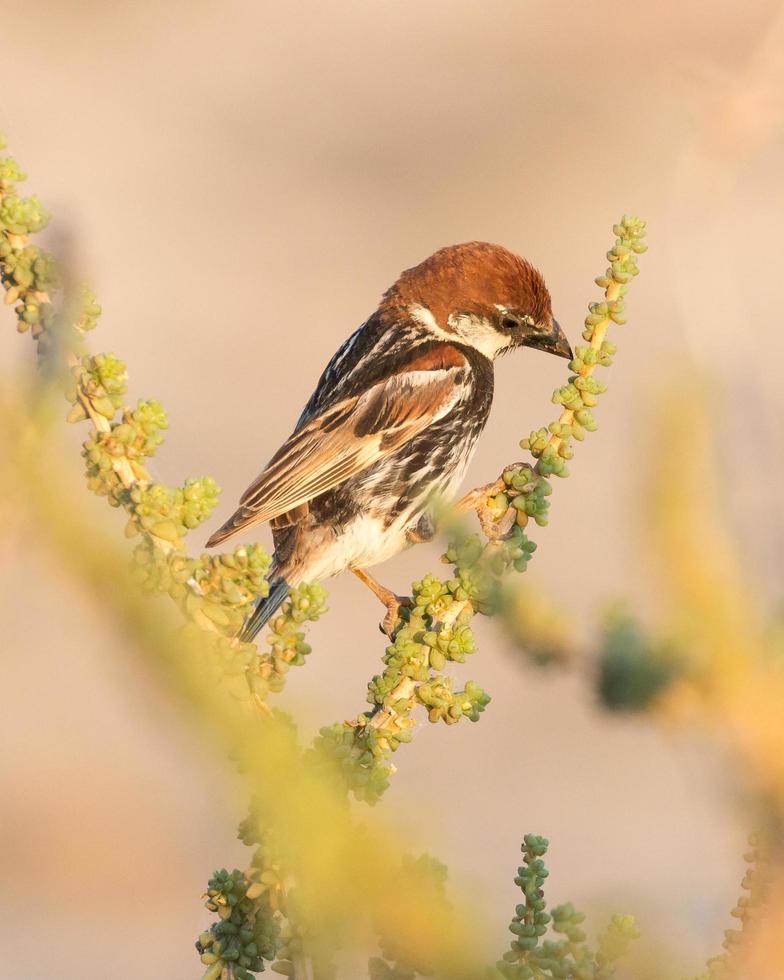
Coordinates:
[392,602]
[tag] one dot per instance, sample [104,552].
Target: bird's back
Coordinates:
[433,462]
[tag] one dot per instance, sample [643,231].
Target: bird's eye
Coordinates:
[509,323]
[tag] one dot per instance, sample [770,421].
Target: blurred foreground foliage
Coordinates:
[713,664]
[319,879]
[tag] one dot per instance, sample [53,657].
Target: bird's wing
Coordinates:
[352,435]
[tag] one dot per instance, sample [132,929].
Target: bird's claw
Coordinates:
[494,527]
[394,604]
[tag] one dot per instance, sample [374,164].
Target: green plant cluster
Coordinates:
[103,380]
[359,756]
[88,311]
[307,602]
[20,278]
[527,492]
[553,944]
[551,446]
[274,900]
[547,945]
[27,269]
[246,932]
[215,592]
[168,513]
[633,669]
[27,272]
[231,582]
[133,438]
[432,631]
[10,173]
[21,215]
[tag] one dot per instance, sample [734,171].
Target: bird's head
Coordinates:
[481,295]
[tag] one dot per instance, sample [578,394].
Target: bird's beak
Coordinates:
[554,342]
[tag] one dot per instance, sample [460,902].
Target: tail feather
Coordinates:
[264,610]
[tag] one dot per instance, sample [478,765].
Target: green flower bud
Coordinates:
[22,215]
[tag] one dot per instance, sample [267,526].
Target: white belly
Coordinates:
[363,543]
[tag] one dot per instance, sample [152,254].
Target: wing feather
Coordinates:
[349,437]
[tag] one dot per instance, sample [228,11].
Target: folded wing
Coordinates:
[350,436]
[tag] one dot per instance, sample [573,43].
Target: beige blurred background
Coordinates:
[240,181]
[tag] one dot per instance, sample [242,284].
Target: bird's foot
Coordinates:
[494,525]
[394,604]
[476,499]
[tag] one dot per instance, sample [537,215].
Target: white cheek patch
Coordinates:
[479,332]
[425,319]
[476,331]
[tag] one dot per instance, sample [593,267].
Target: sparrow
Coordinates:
[394,420]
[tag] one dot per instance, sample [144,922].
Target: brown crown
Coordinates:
[474,277]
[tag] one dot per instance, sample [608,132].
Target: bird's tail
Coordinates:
[264,609]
